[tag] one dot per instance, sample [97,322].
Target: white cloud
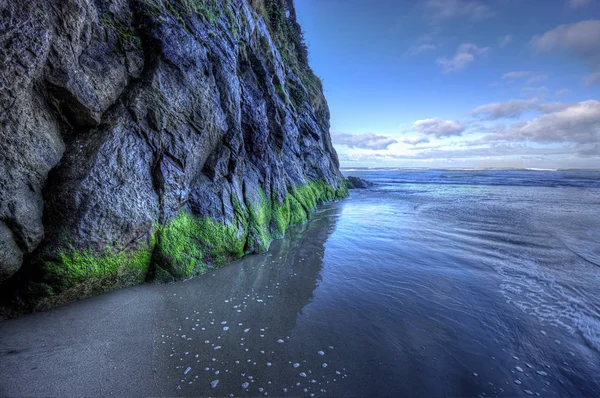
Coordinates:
[466,53]
[516,75]
[498,110]
[420,49]
[578,3]
[537,78]
[535,92]
[451,9]
[532,77]
[579,123]
[514,108]
[590,150]
[504,41]
[416,140]
[491,154]
[363,141]
[581,39]
[562,93]
[591,80]
[438,127]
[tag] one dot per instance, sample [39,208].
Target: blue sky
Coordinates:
[459,83]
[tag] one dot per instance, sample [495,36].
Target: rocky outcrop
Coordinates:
[358,183]
[152,139]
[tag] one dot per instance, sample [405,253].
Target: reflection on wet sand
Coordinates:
[230,333]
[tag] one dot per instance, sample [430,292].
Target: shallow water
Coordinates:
[431,283]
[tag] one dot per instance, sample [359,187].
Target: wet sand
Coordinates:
[231,331]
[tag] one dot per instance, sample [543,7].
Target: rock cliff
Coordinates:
[151,139]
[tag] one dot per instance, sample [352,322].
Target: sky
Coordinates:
[459,83]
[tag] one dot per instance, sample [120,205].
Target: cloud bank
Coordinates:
[363,141]
[581,40]
[438,127]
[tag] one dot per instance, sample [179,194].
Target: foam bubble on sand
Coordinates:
[246,330]
[245,385]
[226,328]
[302,374]
[321,353]
[296,365]
[280,341]
[187,370]
[214,383]
[217,347]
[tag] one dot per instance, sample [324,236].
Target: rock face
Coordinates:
[152,139]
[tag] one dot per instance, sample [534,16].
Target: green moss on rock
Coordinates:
[188,243]
[103,271]
[259,224]
[185,246]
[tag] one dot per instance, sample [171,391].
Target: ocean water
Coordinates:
[431,283]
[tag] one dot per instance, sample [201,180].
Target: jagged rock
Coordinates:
[358,183]
[152,138]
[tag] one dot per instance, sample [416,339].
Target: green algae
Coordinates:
[185,246]
[259,224]
[188,243]
[73,267]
